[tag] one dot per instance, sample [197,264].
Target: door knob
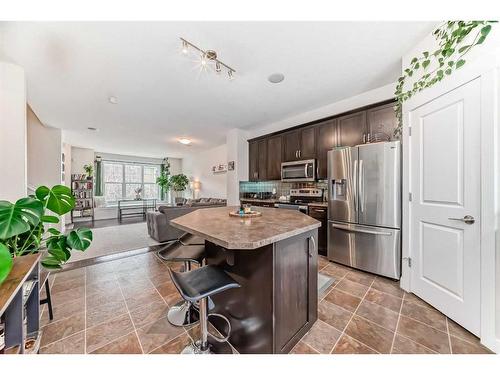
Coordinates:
[467,219]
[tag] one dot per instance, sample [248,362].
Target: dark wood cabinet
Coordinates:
[326,139]
[314,140]
[296,301]
[320,213]
[352,129]
[300,144]
[262,160]
[274,157]
[253,160]
[291,145]
[382,120]
[308,143]
[257,160]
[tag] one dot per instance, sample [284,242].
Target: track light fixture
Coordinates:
[208,59]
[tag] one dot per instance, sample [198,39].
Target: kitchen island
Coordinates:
[274,259]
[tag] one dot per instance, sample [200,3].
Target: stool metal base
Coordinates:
[182,314]
[195,348]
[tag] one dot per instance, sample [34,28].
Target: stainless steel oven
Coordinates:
[291,206]
[298,171]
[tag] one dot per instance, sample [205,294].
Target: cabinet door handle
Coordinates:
[314,246]
[318,210]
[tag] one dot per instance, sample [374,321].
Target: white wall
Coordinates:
[198,167]
[237,151]
[12,132]
[79,157]
[44,153]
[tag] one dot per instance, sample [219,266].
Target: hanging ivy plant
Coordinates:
[455,40]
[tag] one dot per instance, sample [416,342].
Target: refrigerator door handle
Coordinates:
[355,183]
[361,186]
[367,231]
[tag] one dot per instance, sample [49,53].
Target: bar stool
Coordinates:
[197,286]
[183,313]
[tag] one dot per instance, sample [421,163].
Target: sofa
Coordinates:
[158,221]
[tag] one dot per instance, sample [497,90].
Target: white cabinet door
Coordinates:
[445,185]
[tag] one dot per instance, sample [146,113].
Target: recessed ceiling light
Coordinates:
[185,141]
[113,100]
[92,128]
[276,78]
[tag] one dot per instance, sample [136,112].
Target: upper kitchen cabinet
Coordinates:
[299,144]
[274,157]
[253,160]
[352,129]
[382,120]
[291,145]
[326,139]
[257,160]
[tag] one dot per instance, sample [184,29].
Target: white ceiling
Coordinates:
[73,67]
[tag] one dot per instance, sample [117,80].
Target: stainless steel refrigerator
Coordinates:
[364,207]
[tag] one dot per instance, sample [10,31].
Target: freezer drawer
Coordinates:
[372,249]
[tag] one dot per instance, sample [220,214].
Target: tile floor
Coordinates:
[121,306]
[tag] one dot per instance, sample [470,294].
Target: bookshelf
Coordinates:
[83,191]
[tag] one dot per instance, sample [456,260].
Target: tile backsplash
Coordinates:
[282,188]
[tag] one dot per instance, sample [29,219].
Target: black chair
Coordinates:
[183,313]
[197,286]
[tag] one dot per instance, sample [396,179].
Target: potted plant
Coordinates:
[89,169]
[163,181]
[179,183]
[22,229]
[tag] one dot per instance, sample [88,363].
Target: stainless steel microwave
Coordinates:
[298,171]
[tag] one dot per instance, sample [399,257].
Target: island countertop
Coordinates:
[215,225]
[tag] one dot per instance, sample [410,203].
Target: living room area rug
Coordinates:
[114,240]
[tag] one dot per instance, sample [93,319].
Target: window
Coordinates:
[122,179]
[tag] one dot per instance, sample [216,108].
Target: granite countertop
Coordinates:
[215,225]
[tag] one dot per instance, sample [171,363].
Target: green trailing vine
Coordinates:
[455,40]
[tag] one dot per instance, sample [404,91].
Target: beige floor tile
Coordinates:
[370,334]
[156,334]
[459,346]
[424,335]
[385,300]
[175,346]
[348,345]
[128,344]
[63,328]
[149,313]
[378,314]
[108,331]
[322,337]
[101,313]
[388,286]
[427,315]
[334,315]
[403,345]
[352,287]
[342,299]
[74,344]
[303,348]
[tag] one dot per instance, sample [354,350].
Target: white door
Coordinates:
[445,186]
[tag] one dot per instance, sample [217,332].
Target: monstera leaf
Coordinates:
[16,218]
[80,239]
[58,199]
[5,262]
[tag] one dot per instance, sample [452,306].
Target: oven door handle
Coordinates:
[367,231]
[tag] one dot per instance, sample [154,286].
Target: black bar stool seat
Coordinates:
[202,282]
[183,313]
[197,286]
